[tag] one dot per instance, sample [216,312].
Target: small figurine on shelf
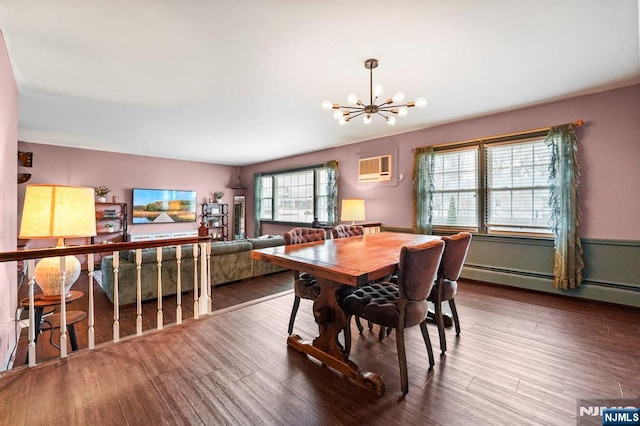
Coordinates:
[101,193]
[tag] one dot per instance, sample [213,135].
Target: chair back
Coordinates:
[418,268]
[343,231]
[454,256]
[303,235]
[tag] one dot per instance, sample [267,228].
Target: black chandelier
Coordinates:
[387,109]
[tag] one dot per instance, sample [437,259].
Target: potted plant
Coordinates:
[101,193]
[218,196]
[110,227]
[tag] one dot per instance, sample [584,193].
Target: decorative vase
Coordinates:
[47,275]
[101,199]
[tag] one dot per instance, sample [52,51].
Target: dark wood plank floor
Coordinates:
[522,358]
[225,296]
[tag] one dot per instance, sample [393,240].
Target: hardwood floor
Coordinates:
[522,358]
[225,296]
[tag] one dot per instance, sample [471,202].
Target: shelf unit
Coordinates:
[216,218]
[111,223]
[114,214]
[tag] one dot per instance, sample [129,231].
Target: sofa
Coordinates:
[230,261]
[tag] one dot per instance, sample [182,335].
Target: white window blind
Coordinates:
[455,180]
[266,200]
[493,187]
[517,187]
[294,197]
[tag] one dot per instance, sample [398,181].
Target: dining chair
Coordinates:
[343,231]
[446,286]
[305,285]
[404,305]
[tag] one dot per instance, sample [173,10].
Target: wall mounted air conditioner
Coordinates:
[374,169]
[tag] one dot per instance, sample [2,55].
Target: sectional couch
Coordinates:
[230,261]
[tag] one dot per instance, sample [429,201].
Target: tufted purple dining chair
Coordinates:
[305,285]
[343,231]
[455,253]
[403,305]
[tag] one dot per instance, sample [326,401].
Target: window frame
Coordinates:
[273,175]
[482,203]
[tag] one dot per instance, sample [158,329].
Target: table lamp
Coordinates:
[352,209]
[57,211]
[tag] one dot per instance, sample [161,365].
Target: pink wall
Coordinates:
[8,215]
[609,152]
[609,145]
[122,172]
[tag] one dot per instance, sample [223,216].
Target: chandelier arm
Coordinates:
[356,115]
[385,117]
[351,107]
[387,106]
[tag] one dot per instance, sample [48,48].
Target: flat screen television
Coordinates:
[163,206]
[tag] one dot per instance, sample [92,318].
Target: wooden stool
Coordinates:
[52,321]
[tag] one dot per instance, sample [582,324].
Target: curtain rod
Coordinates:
[576,123]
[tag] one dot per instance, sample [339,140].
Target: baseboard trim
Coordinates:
[609,292]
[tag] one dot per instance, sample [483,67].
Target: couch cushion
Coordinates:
[225,247]
[270,241]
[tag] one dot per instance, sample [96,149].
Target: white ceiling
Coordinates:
[239,82]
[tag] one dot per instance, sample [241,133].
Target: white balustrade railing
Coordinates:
[202,301]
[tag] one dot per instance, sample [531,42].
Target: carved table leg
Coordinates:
[326,348]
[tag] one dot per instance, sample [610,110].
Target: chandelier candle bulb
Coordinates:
[387,109]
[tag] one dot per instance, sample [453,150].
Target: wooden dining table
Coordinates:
[351,261]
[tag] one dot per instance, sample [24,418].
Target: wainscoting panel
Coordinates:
[611,274]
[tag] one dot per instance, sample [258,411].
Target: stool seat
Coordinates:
[52,321]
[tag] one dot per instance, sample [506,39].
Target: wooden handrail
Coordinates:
[39,253]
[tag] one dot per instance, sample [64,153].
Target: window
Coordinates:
[517,187]
[455,179]
[492,187]
[266,200]
[297,196]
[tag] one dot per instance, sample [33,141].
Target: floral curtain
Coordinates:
[423,189]
[332,192]
[564,179]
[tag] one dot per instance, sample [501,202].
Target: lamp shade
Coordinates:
[56,211]
[352,209]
